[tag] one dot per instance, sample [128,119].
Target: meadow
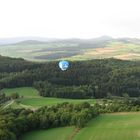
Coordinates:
[116,126]
[26,92]
[31,99]
[63,133]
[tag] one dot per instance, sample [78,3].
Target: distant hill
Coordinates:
[43,49]
[27,42]
[5,41]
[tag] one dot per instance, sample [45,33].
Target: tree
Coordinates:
[14,95]
[6,135]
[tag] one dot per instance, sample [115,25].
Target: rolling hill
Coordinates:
[36,49]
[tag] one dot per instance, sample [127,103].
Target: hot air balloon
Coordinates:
[63,65]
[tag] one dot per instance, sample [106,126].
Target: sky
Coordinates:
[69,18]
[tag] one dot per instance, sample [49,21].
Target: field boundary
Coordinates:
[74,134]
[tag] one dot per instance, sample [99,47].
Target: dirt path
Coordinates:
[73,134]
[11,102]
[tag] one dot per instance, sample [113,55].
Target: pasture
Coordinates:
[26,92]
[63,133]
[30,98]
[42,101]
[115,126]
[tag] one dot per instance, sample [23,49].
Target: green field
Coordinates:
[117,126]
[31,98]
[26,92]
[63,133]
[51,101]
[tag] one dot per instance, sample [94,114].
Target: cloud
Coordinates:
[69,18]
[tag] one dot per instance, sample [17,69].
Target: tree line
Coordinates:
[118,105]
[15,122]
[3,98]
[84,79]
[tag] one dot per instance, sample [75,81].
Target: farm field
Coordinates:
[63,133]
[26,92]
[31,98]
[115,126]
[118,126]
[42,101]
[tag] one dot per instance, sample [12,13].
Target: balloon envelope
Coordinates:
[63,65]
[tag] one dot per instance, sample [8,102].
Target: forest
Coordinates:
[97,78]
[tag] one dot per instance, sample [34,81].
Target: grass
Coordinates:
[51,134]
[51,101]
[119,126]
[31,98]
[26,92]
[116,126]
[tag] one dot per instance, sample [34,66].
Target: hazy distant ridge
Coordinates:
[46,49]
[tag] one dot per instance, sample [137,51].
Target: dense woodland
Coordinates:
[84,79]
[15,122]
